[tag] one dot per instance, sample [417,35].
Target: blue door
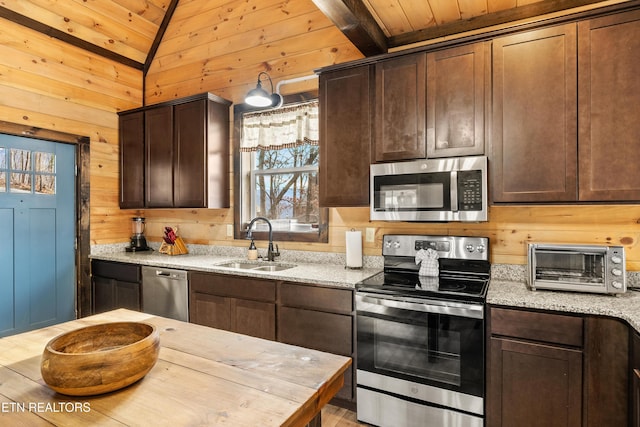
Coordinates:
[37,242]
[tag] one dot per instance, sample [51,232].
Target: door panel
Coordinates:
[37,207]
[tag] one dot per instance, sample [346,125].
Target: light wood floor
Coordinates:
[334,416]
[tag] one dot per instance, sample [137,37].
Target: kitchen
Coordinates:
[92,112]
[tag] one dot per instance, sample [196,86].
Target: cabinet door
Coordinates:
[322,331]
[609,91]
[103,294]
[109,294]
[400,102]
[210,310]
[345,137]
[606,373]
[254,318]
[534,120]
[533,385]
[189,164]
[159,157]
[131,160]
[456,83]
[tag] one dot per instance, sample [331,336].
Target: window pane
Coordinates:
[20,182]
[293,157]
[3,182]
[20,160]
[3,158]
[289,200]
[45,162]
[45,184]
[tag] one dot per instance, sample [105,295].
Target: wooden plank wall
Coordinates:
[49,84]
[192,59]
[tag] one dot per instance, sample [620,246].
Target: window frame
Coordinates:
[239,227]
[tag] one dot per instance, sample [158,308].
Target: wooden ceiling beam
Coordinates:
[484,21]
[354,19]
[25,21]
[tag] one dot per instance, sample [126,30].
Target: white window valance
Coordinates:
[280,128]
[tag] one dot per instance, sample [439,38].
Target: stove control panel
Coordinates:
[454,247]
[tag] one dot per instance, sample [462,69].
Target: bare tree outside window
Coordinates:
[28,171]
[285,188]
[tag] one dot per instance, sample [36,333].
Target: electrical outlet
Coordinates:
[370,234]
[229,230]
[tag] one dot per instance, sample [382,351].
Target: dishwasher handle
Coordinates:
[164,273]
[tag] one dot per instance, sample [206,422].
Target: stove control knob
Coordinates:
[616,272]
[470,248]
[616,259]
[481,248]
[387,243]
[616,284]
[396,244]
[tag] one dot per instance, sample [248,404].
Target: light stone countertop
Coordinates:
[310,267]
[511,290]
[507,287]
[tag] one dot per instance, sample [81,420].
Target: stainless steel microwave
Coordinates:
[449,189]
[578,268]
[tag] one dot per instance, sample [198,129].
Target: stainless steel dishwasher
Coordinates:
[165,292]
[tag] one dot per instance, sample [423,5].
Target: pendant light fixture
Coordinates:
[259,97]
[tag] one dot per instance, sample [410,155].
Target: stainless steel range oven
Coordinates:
[420,340]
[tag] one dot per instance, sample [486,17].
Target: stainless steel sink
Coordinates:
[240,265]
[255,266]
[277,267]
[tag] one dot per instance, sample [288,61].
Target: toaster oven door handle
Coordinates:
[374,303]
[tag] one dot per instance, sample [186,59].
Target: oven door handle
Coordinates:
[474,311]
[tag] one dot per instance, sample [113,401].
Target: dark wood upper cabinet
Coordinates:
[457,80]
[345,137]
[185,154]
[159,152]
[400,104]
[132,160]
[609,99]
[534,119]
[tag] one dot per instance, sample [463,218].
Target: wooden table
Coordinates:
[203,377]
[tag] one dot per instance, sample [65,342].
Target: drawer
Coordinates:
[233,286]
[116,270]
[316,298]
[328,332]
[537,326]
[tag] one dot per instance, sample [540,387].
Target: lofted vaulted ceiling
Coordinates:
[130,31]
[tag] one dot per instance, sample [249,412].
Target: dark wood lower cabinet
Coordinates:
[115,285]
[551,369]
[320,318]
[634,372]
[534,385]
[606,373]
[239,304]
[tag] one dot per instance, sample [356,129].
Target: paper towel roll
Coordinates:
[354,249]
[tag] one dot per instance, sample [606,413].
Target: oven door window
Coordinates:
[413,192]
[435,349]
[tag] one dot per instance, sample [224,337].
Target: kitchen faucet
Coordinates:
[271,254]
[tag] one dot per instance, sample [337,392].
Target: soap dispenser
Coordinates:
[252,253]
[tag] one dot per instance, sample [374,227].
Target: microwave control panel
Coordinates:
[470,190]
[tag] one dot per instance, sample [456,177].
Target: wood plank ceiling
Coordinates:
[130,31]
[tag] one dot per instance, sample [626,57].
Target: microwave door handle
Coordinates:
[454,191]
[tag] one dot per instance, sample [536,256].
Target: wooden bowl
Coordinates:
[100,358]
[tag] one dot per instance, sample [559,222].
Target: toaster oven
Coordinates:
[579,268]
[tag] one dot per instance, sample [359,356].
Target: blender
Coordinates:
[138,241]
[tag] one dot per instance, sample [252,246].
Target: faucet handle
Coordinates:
[277,251]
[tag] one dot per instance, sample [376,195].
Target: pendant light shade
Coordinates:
[259,97]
